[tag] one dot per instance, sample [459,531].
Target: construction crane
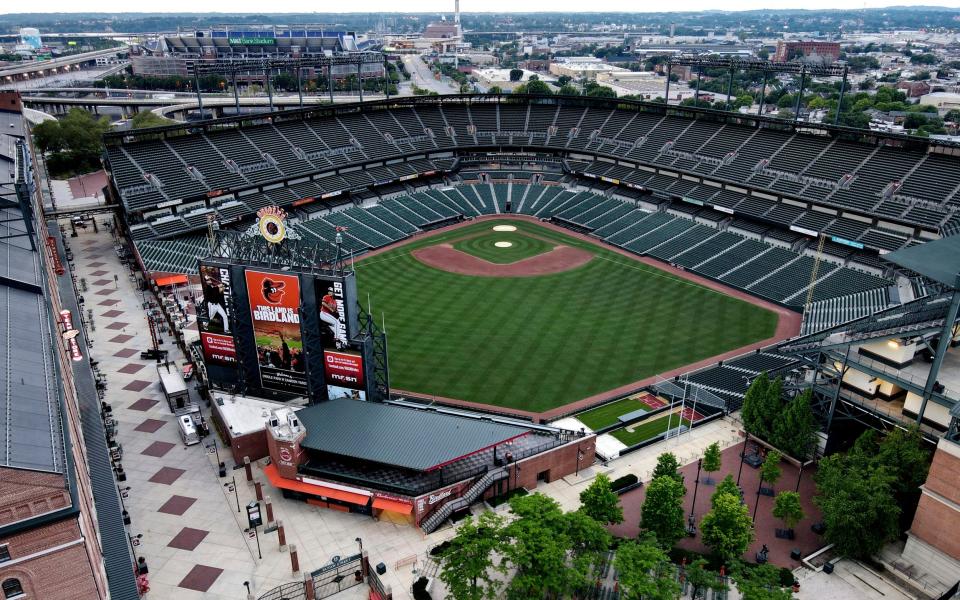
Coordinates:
[813,273]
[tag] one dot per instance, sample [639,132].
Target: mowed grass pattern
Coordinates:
[607,414]
[535,343]
[484,246]
[648,429]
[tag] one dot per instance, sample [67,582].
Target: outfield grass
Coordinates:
[483,246]
[607,414]
[647,430]
[535,343]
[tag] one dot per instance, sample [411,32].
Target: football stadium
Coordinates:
[560,277]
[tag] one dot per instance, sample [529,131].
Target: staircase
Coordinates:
[443,512]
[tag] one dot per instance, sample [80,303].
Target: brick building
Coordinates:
[932,540]
[60,537]
[829,51]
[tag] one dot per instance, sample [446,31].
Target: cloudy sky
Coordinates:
[572,6]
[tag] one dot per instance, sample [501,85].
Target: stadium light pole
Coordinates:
[763,93]
[666,93]
[803,81]
[730,88]
[843,87]
[360,77]
[743,455]
[196,83]
[299,88]
[330,80]
[696,94]
[268,73]
[236,94]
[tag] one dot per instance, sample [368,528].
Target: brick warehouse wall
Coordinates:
[938,512]
[26,494]
[51,562]
[560,462]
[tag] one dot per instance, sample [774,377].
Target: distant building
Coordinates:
[944,101]
[914,89]
[30,36]
[790,50]
[173,53]
[582,67]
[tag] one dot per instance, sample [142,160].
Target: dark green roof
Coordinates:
[396,435]
[938,260]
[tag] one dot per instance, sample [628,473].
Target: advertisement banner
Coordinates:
[343,370]
[218,349]
[333,314]
[216,336]
[275,310]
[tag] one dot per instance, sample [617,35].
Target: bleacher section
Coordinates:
[915,186]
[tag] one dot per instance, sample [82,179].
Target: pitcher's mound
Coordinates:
[504,228]
[503,244]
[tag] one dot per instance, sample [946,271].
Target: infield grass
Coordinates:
[535,343]
[607,414]
[521,246]
[647,430]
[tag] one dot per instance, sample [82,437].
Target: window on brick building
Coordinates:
[12,588]
[4,553]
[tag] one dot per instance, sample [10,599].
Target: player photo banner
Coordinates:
[275,309]
[216,334]
[333,314]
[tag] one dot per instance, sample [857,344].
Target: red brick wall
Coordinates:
[10,101]
[253,444]
[559,462]
[65,574]
[26,494]
[937,523]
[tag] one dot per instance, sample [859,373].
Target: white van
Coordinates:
[188,430]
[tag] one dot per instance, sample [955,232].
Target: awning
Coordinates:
[393,505]
[308,488]
[172,280]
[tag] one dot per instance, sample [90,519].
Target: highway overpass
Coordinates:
[42,68]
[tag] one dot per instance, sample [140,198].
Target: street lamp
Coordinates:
[691,529]
[232,487]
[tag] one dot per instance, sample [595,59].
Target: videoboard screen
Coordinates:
[275,310]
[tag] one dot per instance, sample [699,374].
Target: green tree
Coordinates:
[494,89]
[600,502]
[48,136]
[662,511]
[727,486]
[667,466]
[905,454]
[727,529]
[75,142]
[702,579]
[538,549]
[759,582]
[516,74]
[753,400]
[589,542]
[564,80]
[711,459]
[146,118]
[795,428]
[645,571]
[788,509]
[858,504]
[568,90]
[534,87]
[770,469]
[601,91]
[466,566]
[770,408]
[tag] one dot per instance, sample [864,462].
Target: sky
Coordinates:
[495,6]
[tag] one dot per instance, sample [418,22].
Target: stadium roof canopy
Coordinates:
[398,436]
[938,260]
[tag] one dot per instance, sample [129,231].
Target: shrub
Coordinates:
[420,590]
[786,577]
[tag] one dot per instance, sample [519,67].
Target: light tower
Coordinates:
[456,12]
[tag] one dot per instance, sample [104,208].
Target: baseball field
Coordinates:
[517,315]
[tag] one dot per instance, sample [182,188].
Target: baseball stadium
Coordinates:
[589,266]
